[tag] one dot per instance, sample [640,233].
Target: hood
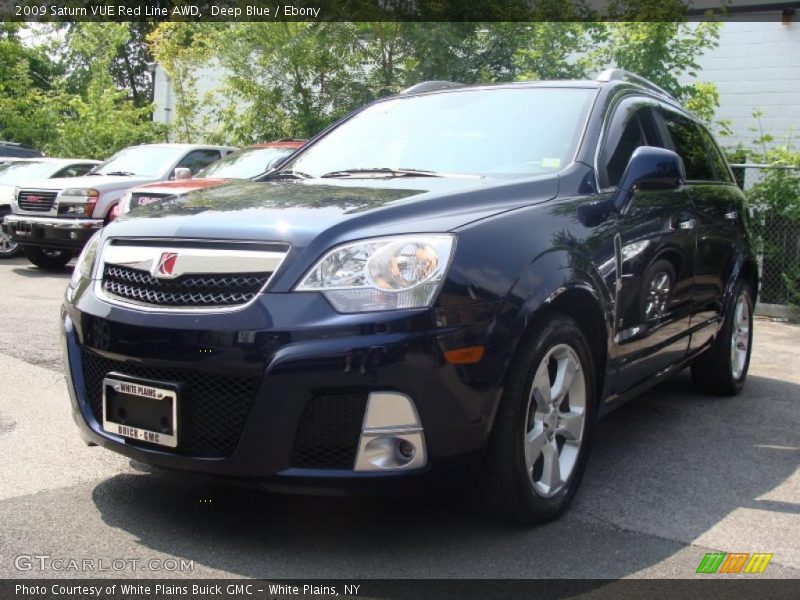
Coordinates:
[181,186]
[102,183]
[313,215]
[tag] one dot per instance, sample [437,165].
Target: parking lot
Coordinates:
[672,476]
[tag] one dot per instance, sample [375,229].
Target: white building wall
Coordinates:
[209,79]
[756,67]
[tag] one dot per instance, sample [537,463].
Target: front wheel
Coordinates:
[540,441]
[8,247]
[722,370]
[47,258]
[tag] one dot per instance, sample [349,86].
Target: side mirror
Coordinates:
[182,173]
[649,168]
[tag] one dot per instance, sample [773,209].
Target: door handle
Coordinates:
[687,224]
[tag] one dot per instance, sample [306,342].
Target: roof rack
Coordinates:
[622,75]
[431,86]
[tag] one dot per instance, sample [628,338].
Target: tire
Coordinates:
[516,483]
[658,285]
[8,248]
[47,258]
[722,370]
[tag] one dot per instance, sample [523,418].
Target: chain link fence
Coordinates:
[777,231]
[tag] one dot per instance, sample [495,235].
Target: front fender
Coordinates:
[546,283]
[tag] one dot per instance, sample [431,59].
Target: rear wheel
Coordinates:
[47,258]
[722,370]
[540,441]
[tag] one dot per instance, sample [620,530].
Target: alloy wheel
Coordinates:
[740,335]
[555,420]
[7,246]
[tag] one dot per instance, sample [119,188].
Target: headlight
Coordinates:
[82,192]
[85,263]
[382,273]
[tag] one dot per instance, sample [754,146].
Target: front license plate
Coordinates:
[141,410]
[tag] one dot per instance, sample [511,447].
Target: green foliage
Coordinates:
[126,56]
[294,79]
[70,107]
[776,226]
[24,82]
[98,123]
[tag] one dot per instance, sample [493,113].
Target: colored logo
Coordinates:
[735,562]
[166,264]
[34,198]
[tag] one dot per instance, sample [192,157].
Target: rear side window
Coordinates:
[74,170]
[689,141]
[719,162]
[198,159]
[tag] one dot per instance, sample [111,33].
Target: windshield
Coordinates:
[143,161]
[246,164]
[490,132]
[14,173]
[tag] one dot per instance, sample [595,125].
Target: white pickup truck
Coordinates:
[53,218]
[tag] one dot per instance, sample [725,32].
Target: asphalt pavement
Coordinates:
[672,476]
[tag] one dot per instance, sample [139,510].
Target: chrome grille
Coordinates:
[34,201]
[207,290]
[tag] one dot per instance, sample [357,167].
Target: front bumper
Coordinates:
[285,352]
[52,232]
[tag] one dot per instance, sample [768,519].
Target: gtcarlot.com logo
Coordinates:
[46,562]
[735,562]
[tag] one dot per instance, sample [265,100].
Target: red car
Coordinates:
[248,163]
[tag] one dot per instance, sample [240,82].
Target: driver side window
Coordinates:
[631,126]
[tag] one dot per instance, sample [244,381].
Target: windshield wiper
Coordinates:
[389,172]
[122,173]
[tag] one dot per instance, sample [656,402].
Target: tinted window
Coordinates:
[632,137]
[505,132]
[246,164]
[689,142]
[720,164]
[197,159]
[74,171]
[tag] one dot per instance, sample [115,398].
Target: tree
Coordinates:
[130,63]
[25,79]
[651,40]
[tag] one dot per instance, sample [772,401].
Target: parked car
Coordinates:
[18,171]
[53,218]
[249,163]
[14,150]
[447,286]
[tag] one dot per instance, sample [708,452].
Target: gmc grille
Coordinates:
[36,201]
[213,407]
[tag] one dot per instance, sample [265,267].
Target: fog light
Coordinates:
[406,450]
[391,435]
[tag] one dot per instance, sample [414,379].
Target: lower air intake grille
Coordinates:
[213,408]
[229,289]
[327,437]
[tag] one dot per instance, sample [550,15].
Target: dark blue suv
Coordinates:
[447,286]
